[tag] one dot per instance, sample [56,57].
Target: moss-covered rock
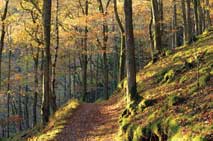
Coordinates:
[204,79]
[174,100]
[169,76]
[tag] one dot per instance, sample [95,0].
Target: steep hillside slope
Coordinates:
[177,96]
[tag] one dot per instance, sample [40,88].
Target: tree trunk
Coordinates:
[189,22]
[151,37]
[47,67]
[20,108]
[183,4]
[85,58]
[26,110]
[174,25]
[36,86]
[70,78]
[3,32]
[130,55]
[197,29]
[53,99]
[8,94]
[121,74]
[209,22]
[157,26]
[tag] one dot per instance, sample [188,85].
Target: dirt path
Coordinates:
[93,122]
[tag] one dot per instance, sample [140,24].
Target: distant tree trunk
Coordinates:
[47,70]
[85,58]
[65,85]
[8,93]
[157,26]
[26,96]
[197,29]
[104,47]
[183,4]
[70,78]
[53,99]
[174,25]
[189,22]
[151,37]
[74,76]
[20,108]
[121,74]
[209,22]
[36,87]
[161,12]
[3,32]
[130,55]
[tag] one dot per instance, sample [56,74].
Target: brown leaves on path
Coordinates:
[93,122]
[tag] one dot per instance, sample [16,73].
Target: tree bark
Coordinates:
[85,58]
[3,32]
[157,26]
[53,99]
[130,55]
[47,67]
[174,25]
[8,93]
[183,4]
[189,22]
[122,58]
[36,87]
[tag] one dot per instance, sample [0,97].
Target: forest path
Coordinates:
[93,122]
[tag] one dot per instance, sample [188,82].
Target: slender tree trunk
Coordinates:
[197,29]
[8,93]
[53,99]
[47,70]
[85,58]
[189,22]
[26,102]
[209,22]
[130,55]
[121,74]
[174,25]
[151,37]
[36,87]
[157,26]
[20,108]
[183,4]
[3,32]
[70,78]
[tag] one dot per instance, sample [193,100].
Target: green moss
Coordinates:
[138,134]
[125,122]
[169,76]
[168,52]
[198,138]
[146,103]
[160,76]
[204,79]
[130,132]
[156,130]
[174,100]
[194,88]
[183,79]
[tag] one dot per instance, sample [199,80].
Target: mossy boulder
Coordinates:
[204,79]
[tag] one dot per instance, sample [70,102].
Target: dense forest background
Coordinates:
[81,51]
